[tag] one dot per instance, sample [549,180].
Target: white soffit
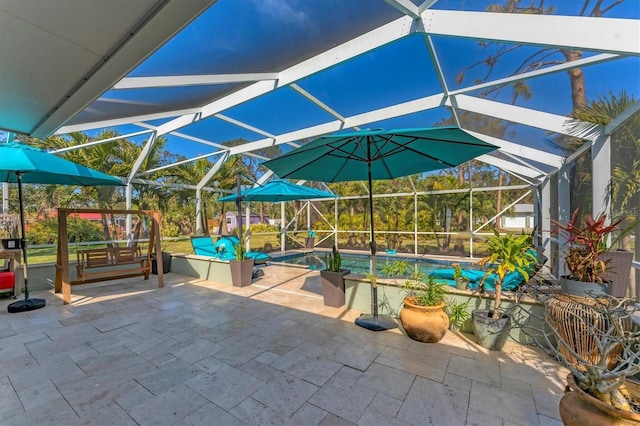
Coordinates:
[56,57]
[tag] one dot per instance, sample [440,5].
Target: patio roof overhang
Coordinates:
[57,57]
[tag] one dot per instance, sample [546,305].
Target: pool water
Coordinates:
[361,263]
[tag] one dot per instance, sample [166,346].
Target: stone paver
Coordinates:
[197,352]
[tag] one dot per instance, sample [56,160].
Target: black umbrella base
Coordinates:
[23,305]
[376,323]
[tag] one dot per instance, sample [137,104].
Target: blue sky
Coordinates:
[258,36]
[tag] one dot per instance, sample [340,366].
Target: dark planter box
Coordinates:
[166,264]
[333,287]
[11,243]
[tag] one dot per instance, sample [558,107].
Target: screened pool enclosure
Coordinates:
[204,89]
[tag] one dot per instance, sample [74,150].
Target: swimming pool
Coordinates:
[361,263]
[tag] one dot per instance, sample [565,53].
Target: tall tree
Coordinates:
[543,57]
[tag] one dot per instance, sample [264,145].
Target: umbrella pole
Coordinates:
[27,304]
[374,322]
[239,205]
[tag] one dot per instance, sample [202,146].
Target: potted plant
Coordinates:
[599,391]
[332,279]
[425,314]
[461,281]
[583,257]
[507,254]
[241,267]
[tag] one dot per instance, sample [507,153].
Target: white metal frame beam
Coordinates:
[570,32]
[516,114]
[190,80]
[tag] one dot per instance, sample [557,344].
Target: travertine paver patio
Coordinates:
[202,353]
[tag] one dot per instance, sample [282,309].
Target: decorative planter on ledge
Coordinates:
[333,287]
[582,289]
[241,272]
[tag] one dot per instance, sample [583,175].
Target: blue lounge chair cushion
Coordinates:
[447,273]
[257,256]
[447,281]
[224,245]
[223,249]
[231,238]
[203,246]
[511,281]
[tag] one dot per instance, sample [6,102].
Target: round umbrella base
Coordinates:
[30,304]
[376,323]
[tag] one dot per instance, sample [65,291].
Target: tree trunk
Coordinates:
[261,209]
[222,226]
[499,201]
[105,230]
[576,77]
[498,299]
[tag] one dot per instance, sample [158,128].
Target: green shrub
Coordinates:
[263,227]
[45,231]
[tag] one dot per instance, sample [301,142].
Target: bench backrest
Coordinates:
[107,256]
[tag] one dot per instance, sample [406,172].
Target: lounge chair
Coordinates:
[223,249]
[511,281]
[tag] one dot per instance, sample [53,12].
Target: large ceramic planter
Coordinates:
[241,272]
[333,287]
[579,408]
[618,271]
[491,333]
[426,324]
[581,288]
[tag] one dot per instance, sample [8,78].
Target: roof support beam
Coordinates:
[522,151]
[317,101]
[541,120]
[146,150]
[120,121]
[406,7]
[190,80]
[92,143]
[569,32]
[622,118]
[509,166]
[212,171]
[373,39]
[597,59]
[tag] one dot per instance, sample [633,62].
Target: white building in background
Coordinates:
[520,217]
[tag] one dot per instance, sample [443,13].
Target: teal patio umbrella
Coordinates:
[25,164]
[374,155]
[274,191]
[277,191]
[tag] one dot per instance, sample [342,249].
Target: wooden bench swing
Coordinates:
[100,258]
[108,263]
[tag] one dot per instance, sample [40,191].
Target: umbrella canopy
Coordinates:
[389,153]
[277,191]
[38,166]
[22,163]
[374,155]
